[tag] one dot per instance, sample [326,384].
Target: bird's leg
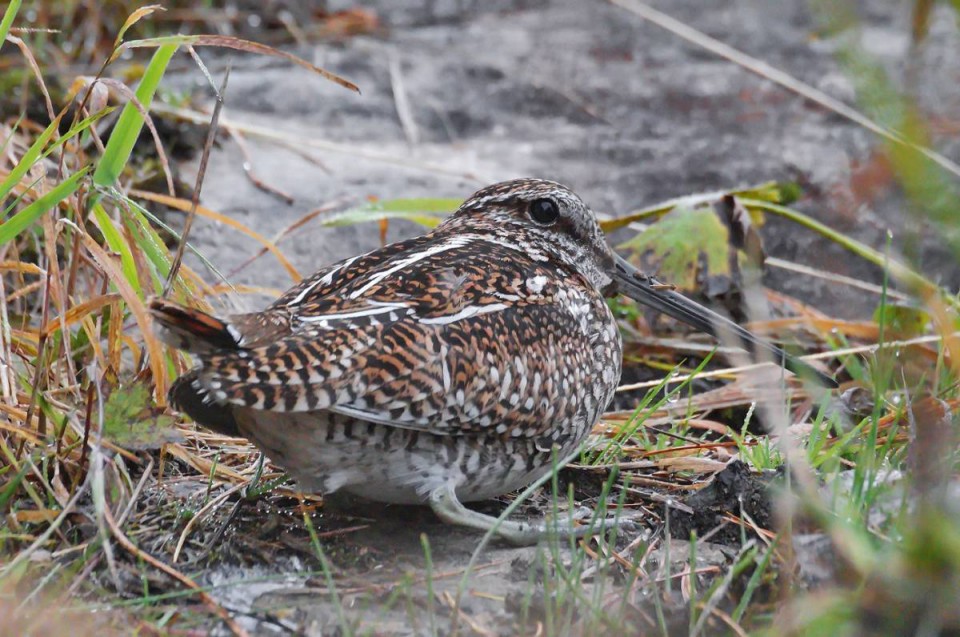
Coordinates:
[447,506]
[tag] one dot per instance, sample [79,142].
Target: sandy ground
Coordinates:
[578,91]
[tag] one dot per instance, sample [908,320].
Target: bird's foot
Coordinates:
[448,508]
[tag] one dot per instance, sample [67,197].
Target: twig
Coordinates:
[833,277]
[248,167]
[277,238]
[777,76]
[201,172]
[656,497]
[401,102]
[277,137]
[861,349]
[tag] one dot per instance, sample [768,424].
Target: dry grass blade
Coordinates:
[860,349]
[184,206]
[238,44]
[287,231]
[32,62]
[203,466]
[209,506]
[401,100]
[80,311]
[133,18]
[137,308]
[833,277]
[22,267]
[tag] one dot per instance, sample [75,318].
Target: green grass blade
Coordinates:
[37,149]
[147,218]
[117,243]
[775,192]
[25,218]
[147,239]
[28,159]
[149,242]
[130,124]
[78,129]
[142,235]
[10,489]
[9,138]
[7,21]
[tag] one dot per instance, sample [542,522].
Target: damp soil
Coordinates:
[399,569]
[581,92]
[736,491]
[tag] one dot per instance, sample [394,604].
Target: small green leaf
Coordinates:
[690,248]
[903,319]
[131,421]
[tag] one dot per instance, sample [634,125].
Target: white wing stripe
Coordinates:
[324,280]
[467,312]
[456,242]
[380,308]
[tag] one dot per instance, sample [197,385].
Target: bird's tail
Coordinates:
[189,329]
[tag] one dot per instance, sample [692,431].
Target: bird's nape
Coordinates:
[647,291]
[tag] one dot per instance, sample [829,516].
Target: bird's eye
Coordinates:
[544,211]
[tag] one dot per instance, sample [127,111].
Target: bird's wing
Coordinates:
[460,336]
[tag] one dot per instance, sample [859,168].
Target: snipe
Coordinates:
[448,368]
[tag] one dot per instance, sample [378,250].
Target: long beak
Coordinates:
[646,290]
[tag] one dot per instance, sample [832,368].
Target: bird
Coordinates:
[451,367]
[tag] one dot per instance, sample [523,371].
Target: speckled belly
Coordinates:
[327,452]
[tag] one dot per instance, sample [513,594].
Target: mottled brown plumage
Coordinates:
[449,367]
